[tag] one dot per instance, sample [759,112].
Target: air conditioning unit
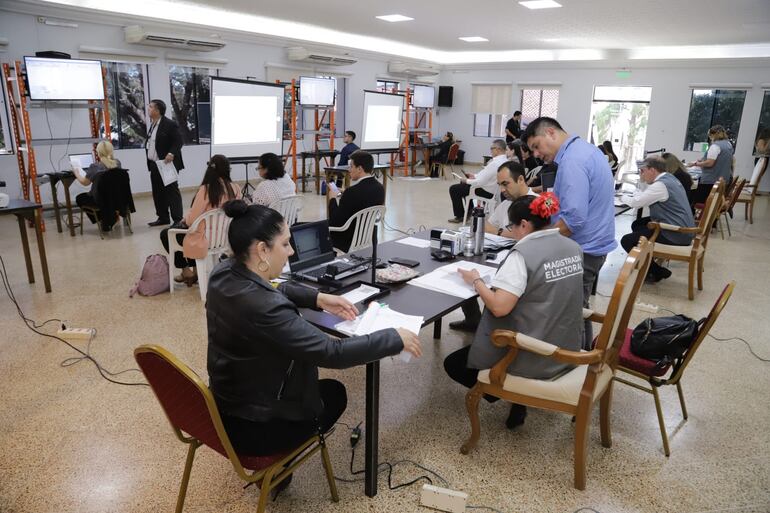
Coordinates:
[136,34]
[407,69]
[301,54]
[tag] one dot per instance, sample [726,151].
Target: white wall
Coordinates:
[669,106]
[26,36]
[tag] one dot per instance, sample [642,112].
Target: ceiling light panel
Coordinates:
[473,39]
[393,18]
[540,4]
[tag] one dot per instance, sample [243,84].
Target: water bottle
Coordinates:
[469,246]
[478,230]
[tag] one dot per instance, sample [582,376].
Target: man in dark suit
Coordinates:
[164,142]
[364,192]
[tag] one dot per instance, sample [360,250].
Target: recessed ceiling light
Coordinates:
[394,18]
[540,4]
[473,39]
[552,39]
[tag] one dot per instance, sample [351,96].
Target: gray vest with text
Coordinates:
[675,210]
[722,168]
[550,309]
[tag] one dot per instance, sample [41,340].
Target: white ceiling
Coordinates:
[514,32]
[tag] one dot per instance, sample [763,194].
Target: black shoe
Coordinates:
[275,492]
[159,222]
[516,416]
[664,273]
[464,325]
[652,278]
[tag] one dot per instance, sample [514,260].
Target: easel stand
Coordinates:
[247,187]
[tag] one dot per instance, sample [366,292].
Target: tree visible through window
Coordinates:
[709,107]
[125,92]
[191,103]
[386,86]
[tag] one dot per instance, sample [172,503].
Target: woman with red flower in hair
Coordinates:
[538,291]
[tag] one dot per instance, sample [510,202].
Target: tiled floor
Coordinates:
[73,442]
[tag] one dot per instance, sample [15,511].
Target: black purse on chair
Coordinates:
[664,340]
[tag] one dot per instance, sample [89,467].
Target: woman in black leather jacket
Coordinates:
[263,357]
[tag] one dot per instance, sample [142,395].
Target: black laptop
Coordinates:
[314,256]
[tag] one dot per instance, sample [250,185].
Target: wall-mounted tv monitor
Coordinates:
[246,118]
[64,79]
[423,96]
[317,91]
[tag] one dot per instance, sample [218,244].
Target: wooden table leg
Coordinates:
[55,199]
[41,246]
[69,207]
[304,176]
[25,247]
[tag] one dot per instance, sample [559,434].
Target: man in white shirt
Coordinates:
[512,183]
[667,200]
[484,182]
[511,178]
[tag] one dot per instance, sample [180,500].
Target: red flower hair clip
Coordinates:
[545,205]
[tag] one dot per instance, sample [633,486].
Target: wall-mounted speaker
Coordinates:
[445,94]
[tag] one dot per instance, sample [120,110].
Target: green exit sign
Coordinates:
[623,73]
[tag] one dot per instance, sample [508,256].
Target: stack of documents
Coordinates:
[446,279]
[492,242]
[379,317]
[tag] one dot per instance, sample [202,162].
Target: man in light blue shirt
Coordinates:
[585,188]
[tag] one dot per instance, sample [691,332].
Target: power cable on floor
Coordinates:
[85,355]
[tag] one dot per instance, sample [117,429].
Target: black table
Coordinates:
[29,211]
[621,209]
[427,150]
[316,155]
[67,178]
[404,298]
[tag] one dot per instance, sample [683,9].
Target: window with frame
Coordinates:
[763,127]
[6,146]
[491,107]
[536,103]
[339,109]
[126,84]
[387,86]
[709,107]
[191,103]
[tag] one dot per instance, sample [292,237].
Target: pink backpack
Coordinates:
[154,277]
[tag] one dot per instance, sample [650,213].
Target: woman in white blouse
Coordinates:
[275,185]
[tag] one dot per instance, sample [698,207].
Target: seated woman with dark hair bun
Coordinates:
[263,357]
[538,291]
[276,184]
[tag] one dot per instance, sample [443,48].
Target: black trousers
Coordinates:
[592,264]
[253,438]
[180,262]
[85,199]
[459,191]
[700,194]
[638,230]
[166,197]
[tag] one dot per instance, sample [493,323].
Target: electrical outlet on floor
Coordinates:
[69,333]
[443,499]
[647,307]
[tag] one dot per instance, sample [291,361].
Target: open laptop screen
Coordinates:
[82,160]
[311,245]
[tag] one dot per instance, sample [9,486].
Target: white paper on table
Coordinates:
[361,293]
[379,317]
[168,172]
[446,279]
[414,241]
[500,257]
[491,241]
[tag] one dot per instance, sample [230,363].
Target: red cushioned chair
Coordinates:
[190,408]
[645,369]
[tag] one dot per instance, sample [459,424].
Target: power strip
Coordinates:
[443,499]
[647,307]
[75,333]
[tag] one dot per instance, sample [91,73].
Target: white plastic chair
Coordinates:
[487,203]
[365,221]
[215,232]
[288,207]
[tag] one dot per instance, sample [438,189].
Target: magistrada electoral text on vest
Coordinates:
[563,268]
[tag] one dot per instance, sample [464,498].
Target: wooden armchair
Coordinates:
[576,391]
[750,189]
[726,209]
[647,370]
[696,251]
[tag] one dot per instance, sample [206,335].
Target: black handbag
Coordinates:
[664,339]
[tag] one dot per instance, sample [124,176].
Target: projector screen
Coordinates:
[423,96]
[64,79]
[382,120]
[246,118]
[316,91]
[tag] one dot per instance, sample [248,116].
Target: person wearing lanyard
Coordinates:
[585,189]
[164,142]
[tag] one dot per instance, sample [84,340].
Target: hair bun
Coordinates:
[235,208]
